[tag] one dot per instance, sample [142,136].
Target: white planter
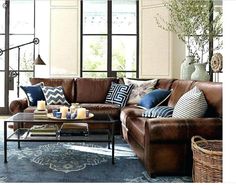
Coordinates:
[200,72]
[187,68]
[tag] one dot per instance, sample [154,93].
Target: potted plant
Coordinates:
[190,20]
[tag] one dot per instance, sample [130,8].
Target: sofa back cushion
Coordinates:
[93,90]
[179,88]
[213,95]
[66,83]
[164,83]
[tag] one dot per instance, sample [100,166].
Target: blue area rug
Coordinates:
[74,162]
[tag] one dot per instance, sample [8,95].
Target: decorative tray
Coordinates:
[50,116]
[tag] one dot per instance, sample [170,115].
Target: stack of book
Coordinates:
[40,114]
[43,130]
[74,129]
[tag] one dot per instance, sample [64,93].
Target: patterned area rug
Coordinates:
[74,162]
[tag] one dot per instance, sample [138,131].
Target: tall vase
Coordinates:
[187,68]
[200,72]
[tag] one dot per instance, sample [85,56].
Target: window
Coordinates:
[21,31]
[109,38]
[21,14]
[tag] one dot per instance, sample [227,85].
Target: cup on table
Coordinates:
[54,111]
[58,114]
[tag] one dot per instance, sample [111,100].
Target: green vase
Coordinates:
[200,73]
[187,68]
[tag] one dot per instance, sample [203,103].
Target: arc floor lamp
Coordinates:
[37,61]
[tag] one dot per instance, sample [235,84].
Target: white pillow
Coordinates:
[141,88]
[191,105]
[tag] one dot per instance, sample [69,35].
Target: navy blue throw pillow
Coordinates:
[119,94]
[159,111]
[154,98]
[34,93]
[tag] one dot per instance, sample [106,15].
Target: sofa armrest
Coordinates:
[173,129]
[18,105]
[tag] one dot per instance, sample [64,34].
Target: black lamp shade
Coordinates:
[39,61]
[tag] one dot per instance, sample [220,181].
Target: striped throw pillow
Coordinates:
[118,94]
[158,111]
[54,95]
[191,105]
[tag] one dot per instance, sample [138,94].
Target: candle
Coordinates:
[63,111]
[81,113]
[41,105]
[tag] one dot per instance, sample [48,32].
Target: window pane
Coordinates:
[124,53]
[124,16]
[95,53]
[218,13]
[94,74]
[126,74]
[22,16]
[94,16]
[2,59]
[26,52]
[2,17]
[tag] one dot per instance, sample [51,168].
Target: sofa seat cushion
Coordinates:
[101,108]
[130,110]
[49,108]
[136,128]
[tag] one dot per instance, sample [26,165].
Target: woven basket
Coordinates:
[207,160]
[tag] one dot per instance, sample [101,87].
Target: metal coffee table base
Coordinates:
[16,137]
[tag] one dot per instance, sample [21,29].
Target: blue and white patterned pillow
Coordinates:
[54,95]
[191,105]
[118,94]
[158,111]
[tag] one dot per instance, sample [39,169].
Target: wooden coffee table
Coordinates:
[105,133]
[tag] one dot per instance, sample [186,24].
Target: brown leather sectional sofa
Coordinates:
[162,144]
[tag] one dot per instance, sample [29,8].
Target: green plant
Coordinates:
[190,20]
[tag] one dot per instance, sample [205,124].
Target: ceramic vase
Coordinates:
[187,68]
[200,72]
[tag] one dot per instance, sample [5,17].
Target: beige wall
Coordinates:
[161,53]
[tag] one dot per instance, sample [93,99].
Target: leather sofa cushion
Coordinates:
[92,90]
[179,87]
[213,95]
[130,111]
[66,83]
[101,108]
[136,128]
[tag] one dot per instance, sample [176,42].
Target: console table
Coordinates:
[105,133]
